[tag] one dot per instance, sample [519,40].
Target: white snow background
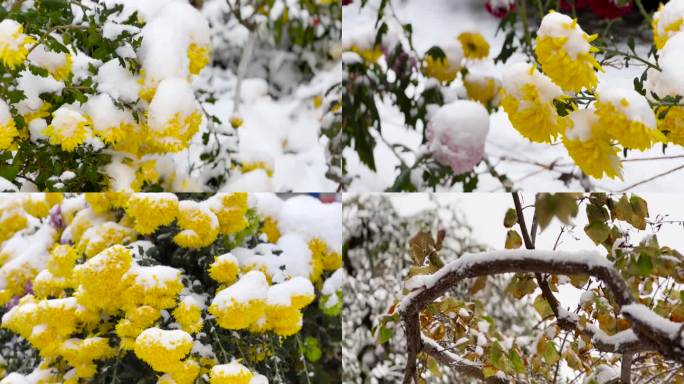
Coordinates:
[438,21]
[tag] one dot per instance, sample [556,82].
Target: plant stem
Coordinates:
[643,12]
[628,55]
[301,353]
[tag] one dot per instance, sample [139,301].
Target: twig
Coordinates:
[651,178]
[242,68]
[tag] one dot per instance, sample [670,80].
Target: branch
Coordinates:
[649,329]
[467,367]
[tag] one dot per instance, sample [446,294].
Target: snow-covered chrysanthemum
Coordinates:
[58,64]
[474,45]
[8,129]
[565,53]
[199,225]
[157,286]
[528,100]
[456,135]
[13,43]
[669,81]
[173,116]
[99,279]
[231,211]
[224,269]
[188,315]
[95,239]
[445,68]
[152,210]
[81,354]
[667,22]
[163,349]
[241,304]
[231,373]
[284,303]
[589,145]
[68,129]
[109,122]
[628,118]
[482,87]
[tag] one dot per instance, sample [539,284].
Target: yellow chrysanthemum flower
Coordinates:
[667,21]
[62,260]
[590,147]
[46,285]
[565,53]
[198,57]
[68,129]
[189,315]
[101,202]
[199,225]
[12,220]
[13,43]
[224,269]
[185,373]
[8,128]
[231,211]
[45,323]
[231,373]
[39,204]
[369,54]
[628,118]
[475,46]
[270,228]
[96,239]
[528,100]
[672,125]
[241,304]
[163,349]
[136,320]
[100,279]
[146,173]
[481,88]
[157,286]
[81,354]
[251,166]
[444,69]
[152,210]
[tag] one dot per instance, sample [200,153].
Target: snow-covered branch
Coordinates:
[649,332]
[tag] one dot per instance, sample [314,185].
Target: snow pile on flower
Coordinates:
[456,135]
[81,288]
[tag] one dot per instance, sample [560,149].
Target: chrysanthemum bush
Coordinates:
[104,95]
[116,287]
[626,325]
[554,95]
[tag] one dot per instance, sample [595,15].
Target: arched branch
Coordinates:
[649,331]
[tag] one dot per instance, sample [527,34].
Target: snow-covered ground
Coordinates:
[438,21]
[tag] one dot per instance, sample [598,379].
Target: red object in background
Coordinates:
[605,9]
[498,10]
[347,2]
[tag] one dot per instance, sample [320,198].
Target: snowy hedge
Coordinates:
[226,288]
[130,95]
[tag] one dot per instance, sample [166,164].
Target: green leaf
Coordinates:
[517,361]
[551,355]
[510,218]
[385,335]
[542,307]
[598,232]
[312,350]
[521,285]
[513,240]
[644,265]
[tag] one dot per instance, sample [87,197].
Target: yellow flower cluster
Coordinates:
[231,373]
[475,46]
[284,304]
[152,210]
[188,314]
[8,128]
[528,100]
[13,43]
[100,279]
[667,22]
[565,53]
[91,284]
[322,258]
[199,225]
[198,56]
[590,147]
[163,350]
[69,128]
[444,68]
[224,269]
[241,304]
